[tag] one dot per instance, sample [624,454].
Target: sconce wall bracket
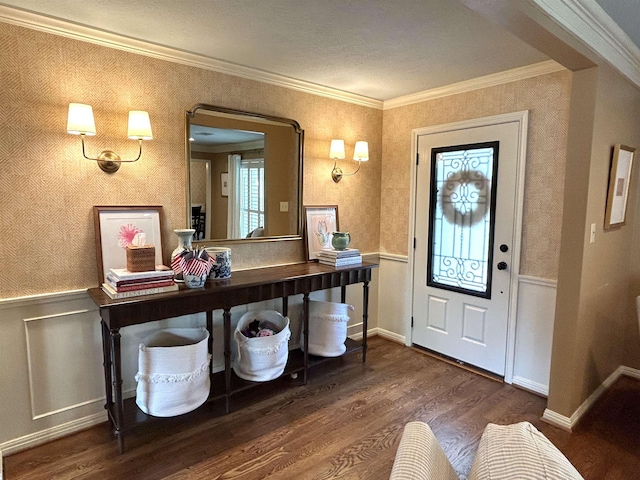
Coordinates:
[336,174]
[109,161]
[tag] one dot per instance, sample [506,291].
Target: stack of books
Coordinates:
[122,283]
[340,258]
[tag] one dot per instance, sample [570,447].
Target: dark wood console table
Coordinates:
[242,288]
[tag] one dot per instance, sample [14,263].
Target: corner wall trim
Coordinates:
[567,423]
[394,257]
[530,385]
[44,436]
[500,78]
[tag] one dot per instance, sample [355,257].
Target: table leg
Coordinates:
[210,347]
[107,365]
[365,319]
[226,316]
[117,386]
[343,294]
[305,334]
[285,306]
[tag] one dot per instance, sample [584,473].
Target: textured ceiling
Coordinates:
[380,49]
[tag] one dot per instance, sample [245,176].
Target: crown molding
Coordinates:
[492,80]
[100,37]
[588,21]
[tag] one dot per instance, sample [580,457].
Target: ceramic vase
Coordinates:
[185,241]
[340,240]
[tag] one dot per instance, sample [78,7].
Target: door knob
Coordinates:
[504,248]
[502,266]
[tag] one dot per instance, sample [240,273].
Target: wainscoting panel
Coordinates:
[534,333]
[394,298]
[64,355]
[52,378]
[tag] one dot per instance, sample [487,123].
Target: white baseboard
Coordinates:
[394,337]
[567,423]
[44,436]
[530,385]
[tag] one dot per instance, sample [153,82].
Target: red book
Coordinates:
[141,285]
[116,282]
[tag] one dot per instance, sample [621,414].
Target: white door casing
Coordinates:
[475,330]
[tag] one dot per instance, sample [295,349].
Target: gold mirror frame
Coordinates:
[224,111]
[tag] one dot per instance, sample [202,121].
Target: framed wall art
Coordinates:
[619,178]
[115,228]
[320,223]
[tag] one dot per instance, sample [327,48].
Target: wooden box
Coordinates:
[141,259]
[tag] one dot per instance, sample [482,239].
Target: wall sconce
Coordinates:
[80,122]
[336,151]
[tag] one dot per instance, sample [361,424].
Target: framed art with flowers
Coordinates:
[320,223]
[116,227]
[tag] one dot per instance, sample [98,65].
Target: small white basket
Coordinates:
[261,359]
[173,371]
[327,328]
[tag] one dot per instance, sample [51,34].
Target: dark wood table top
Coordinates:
[245,286]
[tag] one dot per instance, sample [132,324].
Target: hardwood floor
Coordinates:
[345,423]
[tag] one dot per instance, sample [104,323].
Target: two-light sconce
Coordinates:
[337,152]
[80,122]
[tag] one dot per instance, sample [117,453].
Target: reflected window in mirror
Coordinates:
[245,174]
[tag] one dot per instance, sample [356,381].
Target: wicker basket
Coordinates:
[141,259]
[261,359]
[173,371]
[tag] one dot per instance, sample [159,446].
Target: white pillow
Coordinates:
[519,452]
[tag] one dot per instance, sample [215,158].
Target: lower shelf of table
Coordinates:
[132,416]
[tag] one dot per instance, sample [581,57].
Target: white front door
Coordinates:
[465,207]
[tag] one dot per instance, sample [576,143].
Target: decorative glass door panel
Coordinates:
[462,218]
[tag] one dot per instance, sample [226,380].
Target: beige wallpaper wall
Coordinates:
[547,99]
[47,190]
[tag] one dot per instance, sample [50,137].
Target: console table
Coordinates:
[242,288]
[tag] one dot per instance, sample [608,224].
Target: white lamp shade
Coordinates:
[361,151]
[139,125]
[336,151]
[80,119]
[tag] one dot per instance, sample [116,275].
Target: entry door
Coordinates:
[464,230]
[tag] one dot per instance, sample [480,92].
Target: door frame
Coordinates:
[522,118]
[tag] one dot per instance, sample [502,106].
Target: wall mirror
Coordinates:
[244,173]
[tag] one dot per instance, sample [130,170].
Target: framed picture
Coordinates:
[115,228]
[224,184]
[619,178]
[320,223]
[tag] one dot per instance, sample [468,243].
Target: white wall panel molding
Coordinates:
[535,318]
[394,257]
[567,423]
[500,78]
[110,40]
[63,351]
[45,298]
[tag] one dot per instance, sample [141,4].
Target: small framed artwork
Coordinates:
[320,223]
[224,184]
[115,228]
[619,178]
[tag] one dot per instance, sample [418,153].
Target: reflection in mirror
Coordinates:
[245,174]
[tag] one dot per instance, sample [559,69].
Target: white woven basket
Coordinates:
[327,328]
[173,371]
[261,359]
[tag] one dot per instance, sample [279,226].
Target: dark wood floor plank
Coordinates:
[345,423]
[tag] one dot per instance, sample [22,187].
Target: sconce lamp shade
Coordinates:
[336,151]
[361,151]
[139,125]
[80,119]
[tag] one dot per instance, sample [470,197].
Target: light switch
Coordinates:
[284,206]
[592,239]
